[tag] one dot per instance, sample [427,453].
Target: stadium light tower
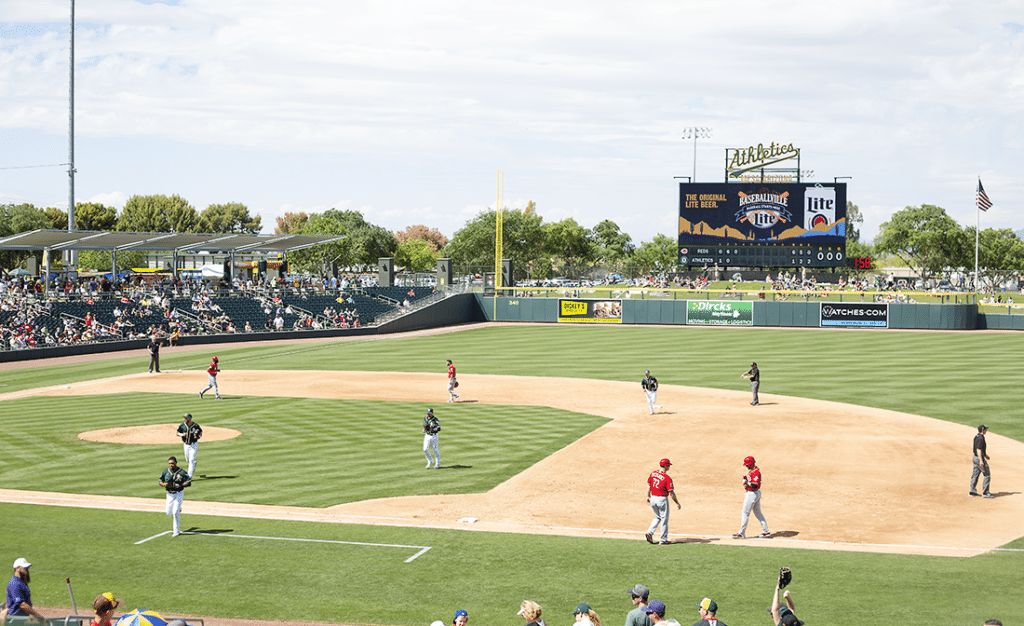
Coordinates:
[694,132]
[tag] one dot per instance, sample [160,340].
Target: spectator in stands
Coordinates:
[104,606]
[531,611]
[783,615]
[278,322]
[461,617]
[637,617]
[585,616]
[19,596]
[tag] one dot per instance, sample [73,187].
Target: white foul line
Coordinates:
[422,549]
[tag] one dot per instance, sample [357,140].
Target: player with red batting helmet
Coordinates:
[752,499]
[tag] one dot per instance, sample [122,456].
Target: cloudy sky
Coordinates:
[405,110]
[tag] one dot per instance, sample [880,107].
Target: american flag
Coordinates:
[981,198]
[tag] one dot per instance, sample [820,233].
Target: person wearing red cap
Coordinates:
[211,383]
[659,488]
[752,499]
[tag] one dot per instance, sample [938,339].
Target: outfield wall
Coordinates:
[764,313]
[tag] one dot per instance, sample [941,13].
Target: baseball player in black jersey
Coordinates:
[431,428]
[650,386]
[190,434]
[979,450]
[174,480]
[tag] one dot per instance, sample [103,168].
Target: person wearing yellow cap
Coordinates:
[707,609]
[104,606]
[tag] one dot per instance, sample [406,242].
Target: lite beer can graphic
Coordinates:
[819,207]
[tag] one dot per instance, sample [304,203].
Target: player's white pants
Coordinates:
[190,457]
[754,385]
[659,504]
[211,384]
[173,506]
[452,396]
[752,502]
[430,444]
[652,397]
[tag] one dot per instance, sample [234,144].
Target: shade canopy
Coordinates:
[187,243]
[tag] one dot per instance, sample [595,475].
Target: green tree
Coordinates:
[232,217]
[923,237]
[416,255]
[95,216]
[99,260]
[523,239]
[368,241]
[658,255]
[58,218]
[318,259]
[1000,255]
[158,214]
[15,219]
[853,222]
[614,247]
[570,242]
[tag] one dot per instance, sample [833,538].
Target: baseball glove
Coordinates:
[785,577]
[456,385]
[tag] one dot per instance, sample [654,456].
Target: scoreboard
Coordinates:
[762,224]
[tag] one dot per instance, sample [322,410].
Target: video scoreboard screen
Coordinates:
[762,224]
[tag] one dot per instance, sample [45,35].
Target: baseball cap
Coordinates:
[460,613]
[748,461]
[188,416]
[708,605]
[982,427]
[437,622]
[430,411]
[790,620]
[753,365]
[656,606]
[665,463]
[647,371]
[640,591]
[214,358]
[22,563]
[582,607]
[106,602]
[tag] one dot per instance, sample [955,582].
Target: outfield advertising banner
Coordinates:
[862,314]
[590,311]
[719,313]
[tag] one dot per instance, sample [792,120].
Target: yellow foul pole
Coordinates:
[497,242]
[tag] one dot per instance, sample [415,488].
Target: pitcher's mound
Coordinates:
[157,433]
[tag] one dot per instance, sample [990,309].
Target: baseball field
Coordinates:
[313,503]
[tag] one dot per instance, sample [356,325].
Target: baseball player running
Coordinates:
[755,381]
[213,370]
[752,500]
[452,383]
[650,386]
[190,434]
[174,480]
[431,427]
[659,488]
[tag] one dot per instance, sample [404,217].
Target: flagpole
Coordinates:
[977,230]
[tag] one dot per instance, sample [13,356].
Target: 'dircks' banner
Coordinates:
[719,313]
[606,311]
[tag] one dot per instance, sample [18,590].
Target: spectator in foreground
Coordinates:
[783,615]
[19,596]
[707,609]
[461,617]
[531,611]
[656,610]
[637,617]
[104,606]
[586,615]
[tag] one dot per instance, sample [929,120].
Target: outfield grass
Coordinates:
[961,377]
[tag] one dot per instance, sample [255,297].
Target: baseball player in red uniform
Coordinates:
[213,370]
[659,488]
[452,383]
[752,499]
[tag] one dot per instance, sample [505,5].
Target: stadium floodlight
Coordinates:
[695,132]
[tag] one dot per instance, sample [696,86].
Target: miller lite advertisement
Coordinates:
[763,214]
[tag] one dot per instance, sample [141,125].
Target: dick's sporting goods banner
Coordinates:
[863,314]
[591,311]
[719,313]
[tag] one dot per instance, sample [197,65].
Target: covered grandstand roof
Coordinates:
[179,242]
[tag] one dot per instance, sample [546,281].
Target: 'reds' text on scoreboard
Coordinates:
[762,224]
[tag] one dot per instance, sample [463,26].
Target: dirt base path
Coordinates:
[836,476]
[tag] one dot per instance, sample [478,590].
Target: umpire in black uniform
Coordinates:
[979,450]
[154,353]
[754,375]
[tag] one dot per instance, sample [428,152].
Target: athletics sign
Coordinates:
[859,314]
[719,313]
